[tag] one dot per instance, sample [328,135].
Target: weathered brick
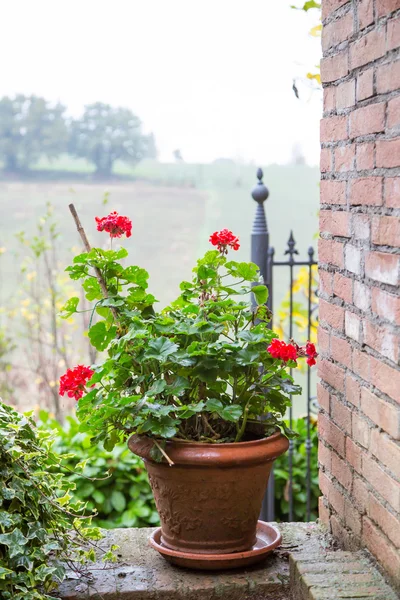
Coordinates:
[352,390]
[323,512]
[360,494]
[344,158]
[382,413]
[377,543]
[393,33]
[324,456]
[385,378]
[331,5]
[388,77]
[352,326]
[341,471]
[361,296]
[352,259]
[386,451]
[326,160]
[361,226]
[342,287]
[366,191]
[365,156]
[340,414]
[393,112]
[336,223]
[365,84]
[361,364]
[352,518]
[385,231]
[332,374]
[331,314]
[333,129]
[386,487]
[323,397]
[368,119]
[323,341]
[330,251]
[386,305]
[353,454]
[337,31]
[346,94]
[382,340]
[341,351]
[365,9]
[392,192]
[329,99]
[333,192]
[382,267]
[385,7]
[325,282]
[334,67]
[360,432]
[388,153]
[389,524]
[370,47]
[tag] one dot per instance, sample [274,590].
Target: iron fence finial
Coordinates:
[260,191]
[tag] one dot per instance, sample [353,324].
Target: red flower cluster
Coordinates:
[279,349]
[311,354]
[115,224]
[224,239]
[74,381]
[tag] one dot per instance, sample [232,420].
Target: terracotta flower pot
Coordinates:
[209,501]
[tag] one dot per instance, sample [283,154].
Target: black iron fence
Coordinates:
[264,256]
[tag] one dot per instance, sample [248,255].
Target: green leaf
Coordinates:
[4,572]
[118,500]
[157,387]
[159,349]
[92,289]
[260,293]
[246,271]
[233,412]
[100,336]
[136,275]
[15,542]
[69,308]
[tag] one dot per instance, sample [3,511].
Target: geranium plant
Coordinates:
[206,368]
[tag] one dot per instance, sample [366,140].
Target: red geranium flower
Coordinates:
[224,239]
[311,354]
[74,381]
[115,224]
[279,349]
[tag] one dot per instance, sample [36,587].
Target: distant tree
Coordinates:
[105,134]
[30,127]
[178,155]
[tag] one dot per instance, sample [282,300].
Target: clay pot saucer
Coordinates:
[268,538]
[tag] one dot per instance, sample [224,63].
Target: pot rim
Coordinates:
[249,443]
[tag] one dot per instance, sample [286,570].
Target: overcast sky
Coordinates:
[210,77]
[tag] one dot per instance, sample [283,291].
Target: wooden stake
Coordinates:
[88,248]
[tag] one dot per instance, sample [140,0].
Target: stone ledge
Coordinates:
[316,572]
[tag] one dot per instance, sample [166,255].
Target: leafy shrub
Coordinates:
[37,513]
[281,471]
[113,484]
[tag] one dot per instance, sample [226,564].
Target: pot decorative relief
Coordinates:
[209,501]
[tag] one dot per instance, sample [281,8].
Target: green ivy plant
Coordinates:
[198,370]
[114,485]
[42,530]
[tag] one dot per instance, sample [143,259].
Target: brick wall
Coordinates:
[359,255]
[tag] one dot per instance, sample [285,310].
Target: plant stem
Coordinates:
[241,431]
[165,455]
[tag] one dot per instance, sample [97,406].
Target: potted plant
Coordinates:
[199,387]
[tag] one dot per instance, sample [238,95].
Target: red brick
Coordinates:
[392,192]
[361,226]
[330,252]
[325,282]
[342,287]
[352,326]
[323,397]
[323,341]
[385,378]
[334,67]
[382,267]
[341,471]
[346,94]
[361,296]
[360,494]
[341,351]
[340,414]
[388,77]
[386,305]
[332,374]
[385,231]
[329,6]
[353,454]
[393,33]
[366,191]
[381,340]
[368,119]
[331,434]
[352,259]
[370,47]
[333,192]
[365,156]
[389,524]
[333,129]
[361,364]
[385,553]
[334,222]
[388,153]
[386,487]
[337,31]
[385,415]
[365,85]
[360,431]
[386,451]
[329,99]
[393,112]
[326,160]
[344,158]
[331,314]
[384,7]
[324,455]
[352,517]
[352,393]
[365,10]
[323,512]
